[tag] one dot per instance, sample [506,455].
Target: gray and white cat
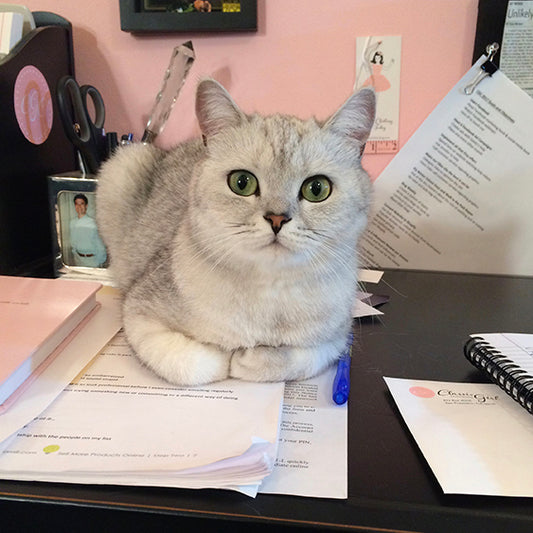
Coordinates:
[237,255]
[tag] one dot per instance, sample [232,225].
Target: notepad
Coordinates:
[507,358]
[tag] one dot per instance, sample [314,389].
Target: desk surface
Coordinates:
[391,487]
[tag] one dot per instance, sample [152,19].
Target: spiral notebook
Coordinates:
[507,358]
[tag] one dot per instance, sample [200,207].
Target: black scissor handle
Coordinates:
[86,135]
[88,91]
[72,111]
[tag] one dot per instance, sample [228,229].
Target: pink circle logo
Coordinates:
[422,392]
[33,105]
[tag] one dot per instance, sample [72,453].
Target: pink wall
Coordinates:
[300,61]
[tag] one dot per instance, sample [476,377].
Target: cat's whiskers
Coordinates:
[161,265]
[226,252]
[325,246]
[220,236]
[208,248]
[322,267]
[213,247]
[346,259]
[236,225]
[222,259]
[335,252]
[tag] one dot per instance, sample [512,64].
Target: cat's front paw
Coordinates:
[174,356]
[252,364]
[284,363]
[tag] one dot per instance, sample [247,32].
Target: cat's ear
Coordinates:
[356,117]
[215,109]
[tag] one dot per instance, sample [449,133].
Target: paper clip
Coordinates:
[488,68]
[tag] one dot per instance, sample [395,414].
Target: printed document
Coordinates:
[475,437]
[313,443]
[457,197]
[118,423]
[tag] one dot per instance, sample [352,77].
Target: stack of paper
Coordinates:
[118,423]
[38,317]
[39,393]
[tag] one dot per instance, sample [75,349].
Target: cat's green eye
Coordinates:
[316,188]
[242,182]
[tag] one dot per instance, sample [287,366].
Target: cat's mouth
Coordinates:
[277,244]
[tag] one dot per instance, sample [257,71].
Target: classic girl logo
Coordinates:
[33,105]
[455,397]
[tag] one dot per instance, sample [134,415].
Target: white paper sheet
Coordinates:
[361,309]
[313,448]
[370,276]
[118,423]
[457,197]
[476,439]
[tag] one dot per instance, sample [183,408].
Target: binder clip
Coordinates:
[488,68]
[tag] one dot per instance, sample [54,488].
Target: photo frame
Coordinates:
[145,16]
[77,246]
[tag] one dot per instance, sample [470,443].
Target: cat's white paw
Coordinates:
[265,363]
[172,355]
[252,364]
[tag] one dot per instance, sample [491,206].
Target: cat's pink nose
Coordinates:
[276,221]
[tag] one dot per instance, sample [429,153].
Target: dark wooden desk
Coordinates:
[391,488]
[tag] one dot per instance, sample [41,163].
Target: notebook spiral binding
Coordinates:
[509,376]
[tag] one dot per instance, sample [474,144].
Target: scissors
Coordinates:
[87,135]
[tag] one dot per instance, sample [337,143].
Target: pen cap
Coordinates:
[341,383]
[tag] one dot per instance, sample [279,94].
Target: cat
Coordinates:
[236,254]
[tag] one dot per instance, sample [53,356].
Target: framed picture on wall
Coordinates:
[188,15]
[77,245]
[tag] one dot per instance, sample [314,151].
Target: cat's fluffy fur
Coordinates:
[210,290]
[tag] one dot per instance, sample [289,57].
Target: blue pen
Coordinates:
[341,383]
